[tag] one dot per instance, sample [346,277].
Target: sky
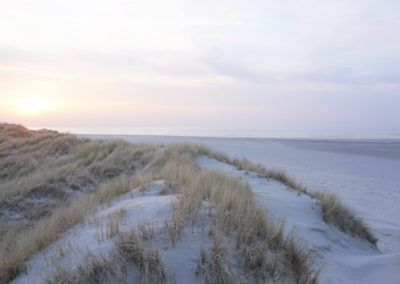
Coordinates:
[204,67]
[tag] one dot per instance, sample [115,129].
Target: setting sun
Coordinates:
[31,105]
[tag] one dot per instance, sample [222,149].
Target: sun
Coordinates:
[31,105]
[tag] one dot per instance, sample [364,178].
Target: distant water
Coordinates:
[237,133]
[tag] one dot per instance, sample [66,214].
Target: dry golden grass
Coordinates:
[236,218]
[17,250]
[44,165]
[15,253]
[47,157]
[44,170]
[239,219]
[214,267]
[95,270]
[336,213]
[236,223]
[147,260]
[112,226]
[131,250]
[39,164]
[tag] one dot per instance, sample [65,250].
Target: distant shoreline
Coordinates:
[230,133]
[281,139]
[382,148]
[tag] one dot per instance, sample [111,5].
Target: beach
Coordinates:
[363,173]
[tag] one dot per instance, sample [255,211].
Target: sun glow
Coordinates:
[31,105]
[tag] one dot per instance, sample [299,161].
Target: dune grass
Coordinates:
[93,271]
[65,160]
[131,250]
[334,211]
[45,165]
[245,241]
[21,247]
[102,170]
[40,171]
[239,224]
[214,266]
[147,260]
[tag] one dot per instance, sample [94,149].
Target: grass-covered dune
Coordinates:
[52,182]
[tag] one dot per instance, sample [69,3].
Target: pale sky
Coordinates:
[215,65]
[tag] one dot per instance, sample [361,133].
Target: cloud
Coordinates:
[236,68]
[259,60]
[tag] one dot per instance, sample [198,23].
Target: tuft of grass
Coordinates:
[174,226]
[169,188]
[297,258]
[107,191]
[112,226]
[113,268]
[215,267]
[147,260]
[94,270]
[336,213]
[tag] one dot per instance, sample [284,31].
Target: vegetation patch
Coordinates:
[65,179]
[336,213]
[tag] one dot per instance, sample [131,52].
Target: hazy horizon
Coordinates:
[223,133]
[225,68]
